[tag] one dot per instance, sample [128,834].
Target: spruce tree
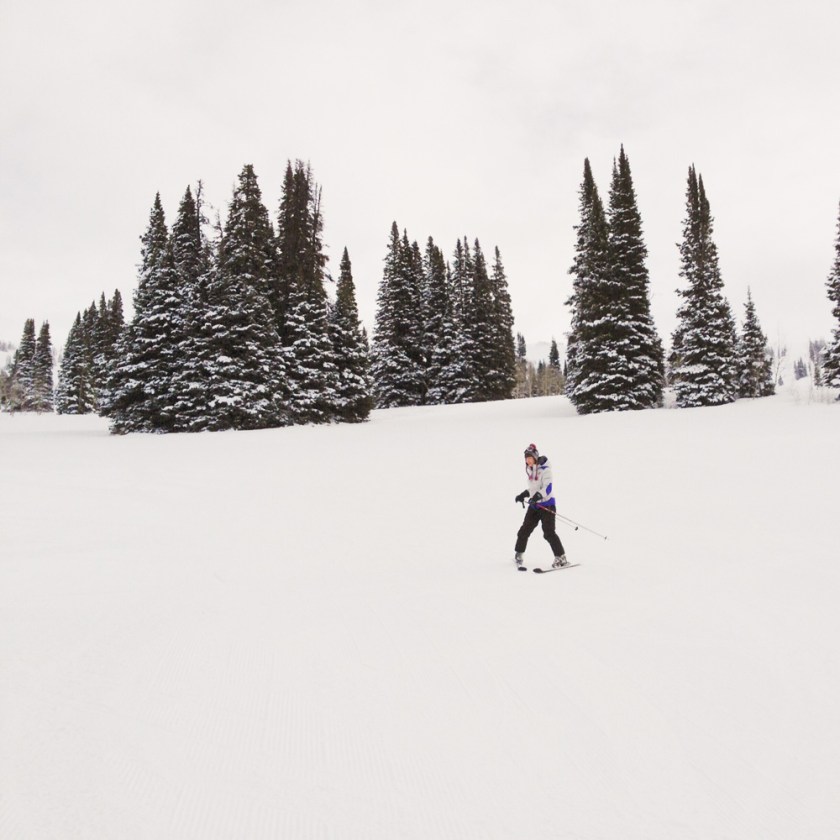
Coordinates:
[417,275]
[191,264]
[99,340]
[491,324]
[43,397]
[755,364]
[816,353]
[303,306]
[461,376]
[554,356]
[300,257]
[555,370]
[457,382]
[312,375]
[116,321]
[397,375]
[642,356]
[482,324]
[354,396]
[439,328]
[74,394]
[247,248]
[242,369]
[22,377]
[140,393]
[521,389]
[704,366]
[596,341]
[502,373]
[831,363]
[90,320]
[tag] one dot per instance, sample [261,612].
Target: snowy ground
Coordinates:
[319,633]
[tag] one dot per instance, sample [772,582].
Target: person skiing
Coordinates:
[541,507]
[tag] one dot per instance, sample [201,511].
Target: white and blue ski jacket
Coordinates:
[541,481]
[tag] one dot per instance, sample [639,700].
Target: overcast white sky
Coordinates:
[452,118]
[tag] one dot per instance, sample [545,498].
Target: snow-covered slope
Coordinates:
[319,632]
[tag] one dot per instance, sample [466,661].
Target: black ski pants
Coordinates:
[544,516]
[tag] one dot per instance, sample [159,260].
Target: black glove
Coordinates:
[537,497]
[521,497]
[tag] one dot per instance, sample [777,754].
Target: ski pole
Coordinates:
[577,525]
[570,522]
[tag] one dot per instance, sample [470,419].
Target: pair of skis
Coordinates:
[552,569]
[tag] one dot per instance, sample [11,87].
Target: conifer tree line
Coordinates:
[615,359]
[89,353]
[27,382]
[444,329]
[236,331]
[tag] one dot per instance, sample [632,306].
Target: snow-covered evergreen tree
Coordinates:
[312,375]
[140,394]
[703,364]
[243,369]
[461,377]
[88,357]
[74,394]
[596,381]
[831,363]
[501,377]
[641,355]
[439,330]
[554,356]
[755,361]
[192,264]
[481,323]
[396,363]
[21,388]
[488,324]
[43,397]
[116,321]
[354,397]
[301,259]
[303,315]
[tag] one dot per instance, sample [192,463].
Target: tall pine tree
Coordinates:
[439,333]
[191,262]
[398,376]
[355,389]
[755,363]
[461,376]
[74,394]
[831,364]
[641,354]
[303,306]
[244,369]
[42,372]
[22,379]
[140,393]
[595,341]
[501,378]
[481,323]
[703,363]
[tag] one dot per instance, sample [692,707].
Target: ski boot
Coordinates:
[560,562]
[518,559]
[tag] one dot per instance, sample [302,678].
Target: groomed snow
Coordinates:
[319,632]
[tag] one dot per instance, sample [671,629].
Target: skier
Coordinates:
[541,507]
